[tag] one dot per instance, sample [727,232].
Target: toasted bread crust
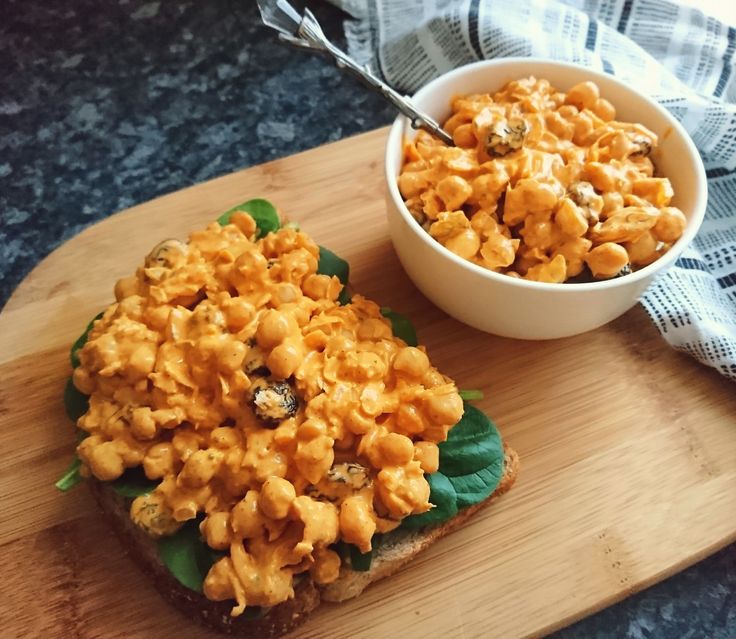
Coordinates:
[391,558]
[285,616]
[214,614]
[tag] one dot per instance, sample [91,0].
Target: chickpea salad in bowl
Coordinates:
[257,416]
[543,185]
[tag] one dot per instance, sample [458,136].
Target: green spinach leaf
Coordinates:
[263,213]
[474,488]
[401,326]
[81,341]
[360,561]
[330,264]
[472,444]
[71,476]
[471,467]
[443,496]
[185,555]
[133,483]
[76,404]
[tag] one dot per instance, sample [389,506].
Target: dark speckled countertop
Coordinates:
[105,105]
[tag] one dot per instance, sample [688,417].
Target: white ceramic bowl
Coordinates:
[523,309]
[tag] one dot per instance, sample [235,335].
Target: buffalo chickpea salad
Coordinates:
[275,417]
[542,185]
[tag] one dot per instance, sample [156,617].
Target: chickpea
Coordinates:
[374,328]
[185,443]
[612,201]
[574,251]
[185,509]
[216,530]
[283,360]
[159,460]
[105,461]
[444,408]
[570,218]
[395,449]
[246,520]
[584,95]
[454,191]
[403,489]
[314,457]
[670,225]
[604,110]
[276,497]
[607,259]
[168,417]
[83,380]
[346,442]
[200,468]
[225,437]
[428,456]
[357,522]
[311,428]
[130,449]
[142,424]
[231,356]
[358,423]
[238,312]
[412,184]
[126,287]
[527,196]
[244,222]
[554,271]
[141,361]
[150,513]
[583,129]
[319,287]
[411,361]
[274,327]
[644,250]
[465,243]
[464,137]
[326,566]
[409,419]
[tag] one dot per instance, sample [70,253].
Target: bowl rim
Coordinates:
[394,144]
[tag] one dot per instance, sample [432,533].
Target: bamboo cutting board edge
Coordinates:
[573,408]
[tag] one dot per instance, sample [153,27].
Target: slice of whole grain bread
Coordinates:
[398,548]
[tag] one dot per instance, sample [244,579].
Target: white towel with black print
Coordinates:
[680,56]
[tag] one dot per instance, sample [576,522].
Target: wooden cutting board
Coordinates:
[628,448]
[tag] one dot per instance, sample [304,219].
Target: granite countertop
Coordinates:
[103,106]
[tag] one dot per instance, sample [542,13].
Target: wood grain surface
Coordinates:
[628,448]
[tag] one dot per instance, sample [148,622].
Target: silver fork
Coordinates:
[306,33]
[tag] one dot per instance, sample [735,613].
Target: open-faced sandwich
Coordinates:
[260,440]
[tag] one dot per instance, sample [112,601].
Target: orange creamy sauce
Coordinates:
[229,372]
[542,184]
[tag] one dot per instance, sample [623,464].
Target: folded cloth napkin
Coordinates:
[680,56]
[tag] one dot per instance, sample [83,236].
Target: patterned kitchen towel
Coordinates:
[680,56]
